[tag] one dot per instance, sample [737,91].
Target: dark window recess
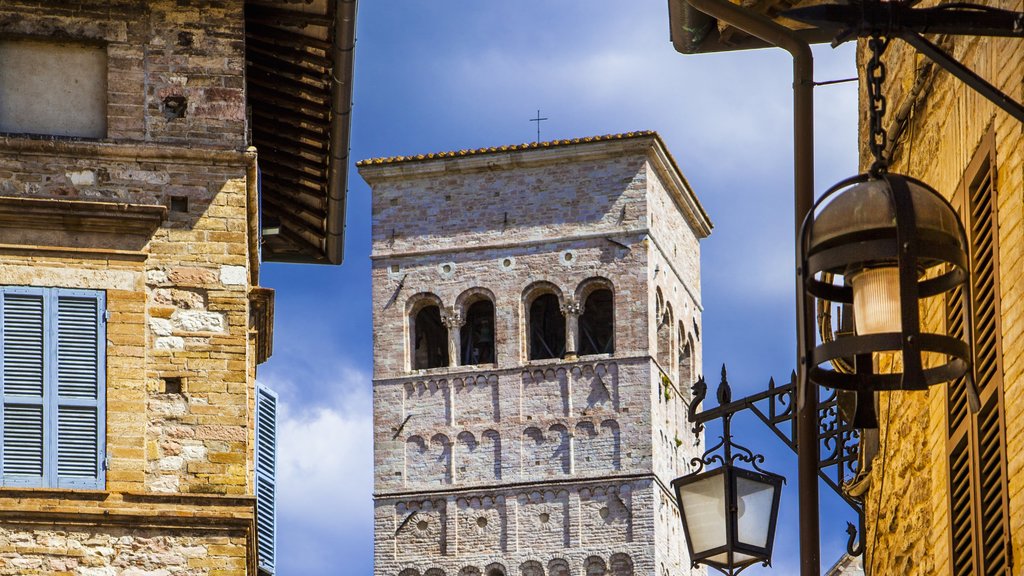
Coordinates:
[174,107]
[547,328]
[172,385]
[430,339]
[976,446]
[179,203]
[685,363]
[597,324]
[477,334]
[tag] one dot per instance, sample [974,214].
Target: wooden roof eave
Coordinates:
[694,32]
[299,35]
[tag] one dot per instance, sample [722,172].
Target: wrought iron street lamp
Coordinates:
[729,512]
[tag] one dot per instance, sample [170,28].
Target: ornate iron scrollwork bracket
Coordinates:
[839,440]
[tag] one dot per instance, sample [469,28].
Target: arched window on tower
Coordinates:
[477,334]
[684,360]
[429,338]
[546,327]
[495,569]
[597,324]
[663,320]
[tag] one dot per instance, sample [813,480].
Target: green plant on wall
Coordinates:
[666,385]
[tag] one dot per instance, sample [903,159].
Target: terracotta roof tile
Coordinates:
[506,148]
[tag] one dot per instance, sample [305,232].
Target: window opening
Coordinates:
[597,333]
[172,385]
[664,321]
[684,361]
[477,335]
[179,203]
[430,340]
[547,328]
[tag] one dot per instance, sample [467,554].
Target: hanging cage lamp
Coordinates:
[885,243]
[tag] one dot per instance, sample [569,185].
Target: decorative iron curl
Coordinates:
[706,459]
[749,457]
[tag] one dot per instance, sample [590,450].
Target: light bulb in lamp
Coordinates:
[876,300]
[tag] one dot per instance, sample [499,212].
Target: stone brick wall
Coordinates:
[529,464]
[908,507]
[178,304]
[96,533]
[155,50]
[155,215]
[571,522]
[67,550]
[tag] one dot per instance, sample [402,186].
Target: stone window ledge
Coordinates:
[80,215]
[119,150]
[137,509]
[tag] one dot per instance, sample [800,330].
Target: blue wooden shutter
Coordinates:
[52,387]
[266,477]
[23,410]
[78,398]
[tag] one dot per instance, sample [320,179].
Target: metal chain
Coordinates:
[877,102]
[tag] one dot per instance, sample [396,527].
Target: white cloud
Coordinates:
[325,480]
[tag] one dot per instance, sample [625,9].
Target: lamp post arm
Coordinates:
[835,432]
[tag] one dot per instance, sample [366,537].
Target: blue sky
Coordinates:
[453,74]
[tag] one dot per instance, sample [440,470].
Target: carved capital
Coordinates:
[452,318]
[572,307]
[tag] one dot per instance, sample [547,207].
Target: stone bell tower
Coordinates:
[536,329]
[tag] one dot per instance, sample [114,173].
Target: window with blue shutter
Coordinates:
[266,478]
[52,392]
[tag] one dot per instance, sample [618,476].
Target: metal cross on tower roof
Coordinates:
[538,120]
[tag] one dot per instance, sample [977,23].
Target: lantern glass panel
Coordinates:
[754,503]
[876,301]
[703,504]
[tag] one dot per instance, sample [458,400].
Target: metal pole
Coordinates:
[803,167]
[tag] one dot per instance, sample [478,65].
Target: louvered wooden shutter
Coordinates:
[266,478]
[79,387]
[961,502]
[24,408]
[52,383]
[979,517]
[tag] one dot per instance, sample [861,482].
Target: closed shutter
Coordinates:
[79,376]
[961,502]
[266,478]
[52,385]
[24,408]
[979,511]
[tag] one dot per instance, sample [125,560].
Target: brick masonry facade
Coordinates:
[158,215]
[908,506]
[557,466]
